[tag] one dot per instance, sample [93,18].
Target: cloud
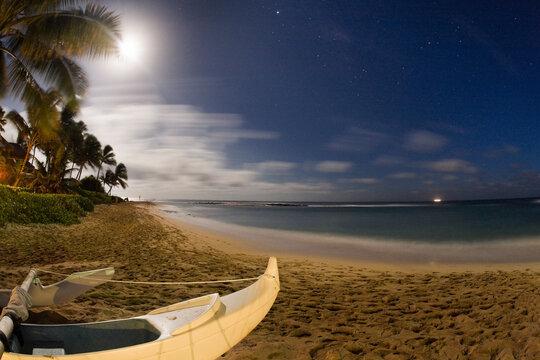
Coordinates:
[359,140]
[333,166]
[505,150]
[361,181]
[388,160]
[424,141]
[450,165]
[403,175]
[272,166]
[450,177]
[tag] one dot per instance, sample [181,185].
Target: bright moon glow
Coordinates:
[130,48]
[437,200]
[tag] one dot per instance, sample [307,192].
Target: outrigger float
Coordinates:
[201,328]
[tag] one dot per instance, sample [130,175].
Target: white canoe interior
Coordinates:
[201,328]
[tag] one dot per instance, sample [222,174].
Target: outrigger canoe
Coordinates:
[200,328]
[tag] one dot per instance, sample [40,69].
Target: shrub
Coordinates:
[24,207]
[116,199]
[77,202]
[90,183]
[45,208]
[95,197]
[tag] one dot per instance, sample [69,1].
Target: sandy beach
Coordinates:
[327,308]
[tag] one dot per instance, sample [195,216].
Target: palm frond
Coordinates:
[22,83]
[92,151]
[44,117]
[18,121]
[121,171]
[92,31]
[63,74]
[42,6]
[108,156]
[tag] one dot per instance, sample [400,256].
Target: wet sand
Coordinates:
[327,308]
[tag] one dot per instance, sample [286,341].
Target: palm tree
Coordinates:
[51,177]
[42,125]
[71,132]
[116,177]
[107,157]
[88,153]
[108,179]
[40,38]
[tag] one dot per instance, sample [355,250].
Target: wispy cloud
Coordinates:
[403,175]
[450,177]
[333,166]
[272,166]
[359,140]
[450,165]
[360,181]
[387,160]
[424,141]
[504,150]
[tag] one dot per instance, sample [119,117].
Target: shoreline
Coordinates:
[236,238]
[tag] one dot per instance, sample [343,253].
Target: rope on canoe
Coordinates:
[158,282]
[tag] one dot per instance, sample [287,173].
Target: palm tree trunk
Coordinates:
[80,171]
[99,169]
[28,150]
[33,156]
[71,171]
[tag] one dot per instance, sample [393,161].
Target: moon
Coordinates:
[130,48]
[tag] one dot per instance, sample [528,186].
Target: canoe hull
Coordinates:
[234,318]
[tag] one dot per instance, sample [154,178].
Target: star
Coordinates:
[277,12]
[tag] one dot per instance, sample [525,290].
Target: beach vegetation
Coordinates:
[52,150]
[96,197]
[40,42]
[118,177]
[88,154]
[92,184]
[107,157]
[24,207]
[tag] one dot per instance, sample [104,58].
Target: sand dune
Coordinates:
[326,309]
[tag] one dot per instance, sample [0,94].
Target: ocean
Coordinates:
[493,231]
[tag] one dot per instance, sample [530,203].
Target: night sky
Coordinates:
[324,100]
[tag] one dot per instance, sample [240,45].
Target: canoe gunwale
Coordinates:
[221,323]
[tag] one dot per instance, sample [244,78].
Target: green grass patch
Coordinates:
[20,206]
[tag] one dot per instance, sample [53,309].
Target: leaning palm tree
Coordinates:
[108,179]
[39,40]
[116,177]
[107,158]
[88,154]
[71,132]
